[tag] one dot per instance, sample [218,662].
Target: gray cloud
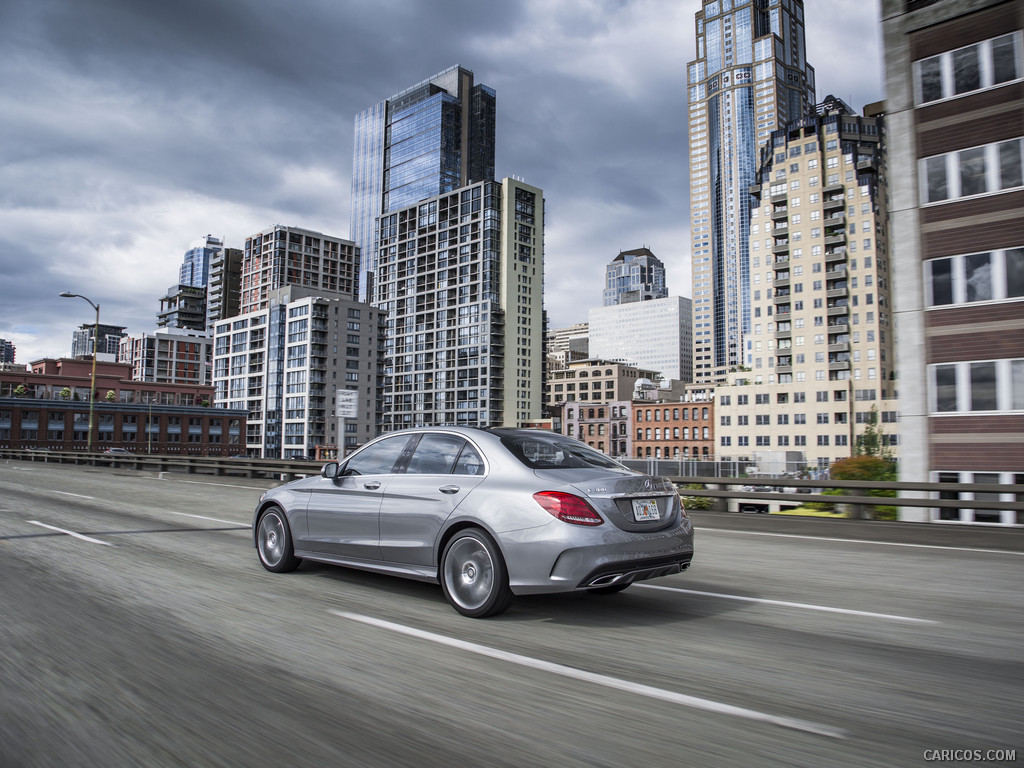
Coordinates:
[131,129]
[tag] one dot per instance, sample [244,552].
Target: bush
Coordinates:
[696,502]
[869,468]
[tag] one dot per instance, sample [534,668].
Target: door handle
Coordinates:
[449,489]
[373,485]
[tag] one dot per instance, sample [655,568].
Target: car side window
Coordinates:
[379,458]
[435,455]
[469,462]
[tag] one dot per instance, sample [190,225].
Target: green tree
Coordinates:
[872,441]
[869,468]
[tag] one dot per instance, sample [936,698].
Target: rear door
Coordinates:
[441,472]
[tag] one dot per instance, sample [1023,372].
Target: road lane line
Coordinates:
[806,606]
[213,519]
[77,495]
[605,680]
[70,533]
[863,541]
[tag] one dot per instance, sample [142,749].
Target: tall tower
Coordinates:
[461,278]
[195,268]
[636,275]
[750,76]
[423,142]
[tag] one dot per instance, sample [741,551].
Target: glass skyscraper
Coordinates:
[750,76]
[195,268]
[427,140]
[636,275]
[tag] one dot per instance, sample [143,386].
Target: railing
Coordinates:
[279,469]
[723,490]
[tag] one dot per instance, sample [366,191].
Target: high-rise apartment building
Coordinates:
[749,77]
[636,275]
[566,345]
[289,256]
[955,111]
[655,335]
[107,345]
[224,286]
[183,306]
[287,361]
[427,140]
[195,268]
[7,350]
[818,370]
[168,355]
[461,278]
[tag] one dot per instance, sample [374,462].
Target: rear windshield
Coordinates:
[552,451]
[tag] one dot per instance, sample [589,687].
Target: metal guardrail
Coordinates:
[726,489]
[721,489]
[207,465]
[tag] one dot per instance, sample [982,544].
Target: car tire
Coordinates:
[473,575]
[609,590]
[274,542]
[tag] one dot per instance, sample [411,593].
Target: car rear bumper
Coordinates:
[611,557]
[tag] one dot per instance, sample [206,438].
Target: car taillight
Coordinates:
[568,508]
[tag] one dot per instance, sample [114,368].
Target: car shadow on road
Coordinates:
[636,606]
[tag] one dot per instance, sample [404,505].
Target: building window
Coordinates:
[972,171]
[992,385]
[994,276]
[969,514]
[965,70]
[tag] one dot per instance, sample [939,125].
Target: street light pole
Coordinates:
[95,349]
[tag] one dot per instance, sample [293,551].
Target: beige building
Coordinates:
[818,363]
[565,345]
[593,381]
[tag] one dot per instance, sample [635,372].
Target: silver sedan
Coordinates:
[488,513]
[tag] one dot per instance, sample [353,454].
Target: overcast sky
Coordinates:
[129,129]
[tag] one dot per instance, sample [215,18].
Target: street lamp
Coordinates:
[95,348]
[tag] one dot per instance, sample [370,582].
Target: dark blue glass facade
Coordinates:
[431,138]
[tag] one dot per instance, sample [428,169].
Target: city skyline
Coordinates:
[119,156]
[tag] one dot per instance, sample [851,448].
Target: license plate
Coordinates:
[645,509]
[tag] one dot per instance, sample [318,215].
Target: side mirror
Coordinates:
[330,471]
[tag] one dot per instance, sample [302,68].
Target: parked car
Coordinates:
[487,513]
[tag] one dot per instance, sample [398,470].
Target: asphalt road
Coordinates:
[154,638]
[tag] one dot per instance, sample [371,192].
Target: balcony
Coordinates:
[837,311]
[834,203]
[782,197]
[781,298]
[784,334]
[780,228]
[836,254]
[781,246]
[837,293]
[841,366]
[780,212]
[781,282]
[838,238]
[838,273]
[783,369]
[831,189]
[841,347]
[838,327]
